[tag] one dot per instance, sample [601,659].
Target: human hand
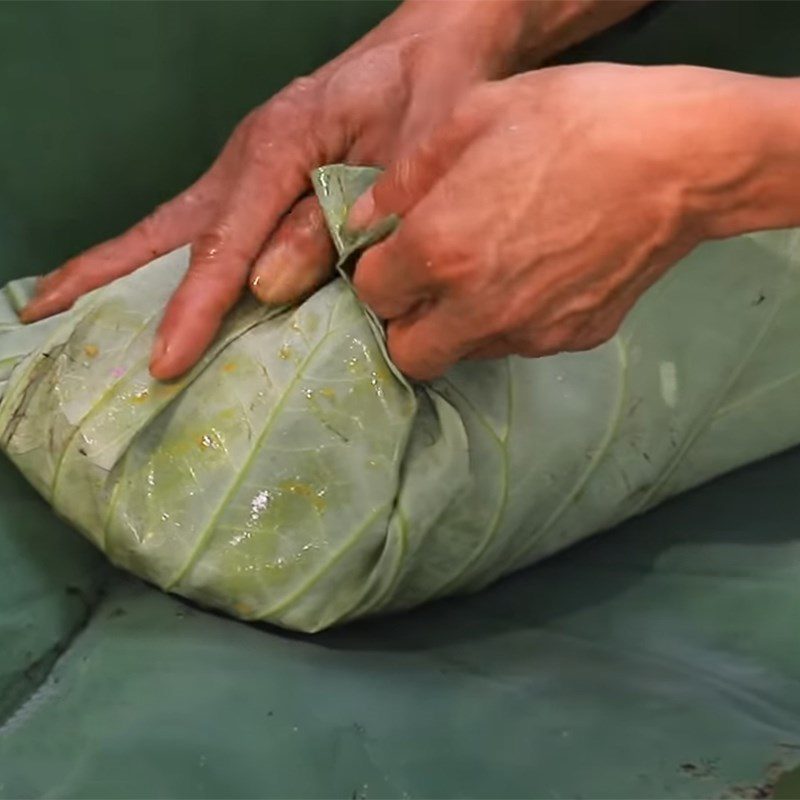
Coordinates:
[250,210]
[249,216]
[546,204]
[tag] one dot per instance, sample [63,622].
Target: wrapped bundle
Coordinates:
[295,477]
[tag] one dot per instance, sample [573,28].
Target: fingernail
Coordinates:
[271,278]
[275,291]
[32,311]
[362,212]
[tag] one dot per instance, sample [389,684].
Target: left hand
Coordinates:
[538,213]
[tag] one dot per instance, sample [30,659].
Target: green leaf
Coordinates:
[295,477]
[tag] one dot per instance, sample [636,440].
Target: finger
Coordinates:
[222,257]
[391,278]
[411,176]
[297,259]
[169,226]
[425,345]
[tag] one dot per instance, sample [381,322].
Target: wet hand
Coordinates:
[537,214]
[250,218]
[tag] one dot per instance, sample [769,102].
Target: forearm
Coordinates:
[526,33]
[551,26]
[504,36]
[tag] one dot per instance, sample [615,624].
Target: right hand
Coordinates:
[249,216]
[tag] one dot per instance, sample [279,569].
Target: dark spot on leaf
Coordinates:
[705,768]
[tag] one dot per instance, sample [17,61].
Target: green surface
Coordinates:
[660,660]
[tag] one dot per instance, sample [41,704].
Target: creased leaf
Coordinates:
[294,476]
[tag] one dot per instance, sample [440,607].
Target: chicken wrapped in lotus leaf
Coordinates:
[295,477]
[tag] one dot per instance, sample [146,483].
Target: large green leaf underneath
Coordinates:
[653,662]
[676,626]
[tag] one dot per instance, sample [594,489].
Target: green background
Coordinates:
[658,660]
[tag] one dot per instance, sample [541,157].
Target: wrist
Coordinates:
[745,174]
[490,33]
[552,26]
[507,36]
[501,37]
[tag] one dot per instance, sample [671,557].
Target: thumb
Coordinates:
[397,191]
[410,176]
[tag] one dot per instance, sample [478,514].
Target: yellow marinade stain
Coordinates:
[140,397]
[285,352]
[327,392]
[229,367]
[304,490]
[91,350]
[243,609]
[167,389]
[382,372]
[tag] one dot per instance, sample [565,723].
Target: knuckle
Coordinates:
[238,138]
[279,125]
[209,244]
[281,155]
[302,86]
[210,248]
[307,219]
